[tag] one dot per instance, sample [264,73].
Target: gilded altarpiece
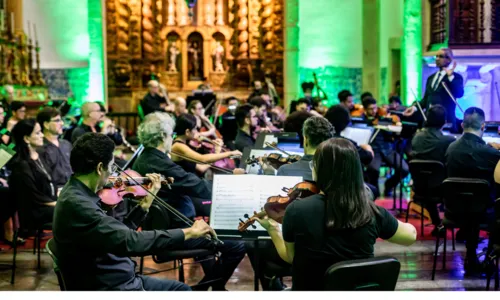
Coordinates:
[230,43]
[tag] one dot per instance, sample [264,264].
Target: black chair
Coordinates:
[466,201]
[38,234]
[50,247]
[372,274]
[159,218]
[427,177]
[495,255]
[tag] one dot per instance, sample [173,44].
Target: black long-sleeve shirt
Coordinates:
[93,248]
[185,184]
[151,103]
[57,161]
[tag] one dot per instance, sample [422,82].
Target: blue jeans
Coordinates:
[156,284]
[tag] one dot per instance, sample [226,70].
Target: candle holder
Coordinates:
[23,61]
[13,61]
[39,78]
[31,72]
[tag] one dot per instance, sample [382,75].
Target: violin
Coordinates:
[129,178]
[129,183]
[357,111]
[225,163]
[275,160]
[223,170]
[275,206]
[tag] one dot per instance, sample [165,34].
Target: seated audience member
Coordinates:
[185,127]
[339,117]
[315,130]
[188,190]
[91,116]
[471,157]
[30,182]
[4,133]
[18,110]
[93,248]
[247,119]
[383,152]
[55,152]
[345,220]
[431,144]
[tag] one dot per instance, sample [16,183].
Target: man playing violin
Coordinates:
[93,248]
[383,149]
[189,194]
[247,120]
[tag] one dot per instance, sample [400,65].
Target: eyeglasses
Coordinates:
[57,121]
[442,56]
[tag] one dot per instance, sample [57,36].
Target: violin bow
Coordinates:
[165,205]
[451,96]
[201,163]
[276,148]
[418,104]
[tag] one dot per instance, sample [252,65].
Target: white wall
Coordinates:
[62,29]
[330,33]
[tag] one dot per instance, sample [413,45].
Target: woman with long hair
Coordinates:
[30,181]
[186,130]
[196,109]
[340,223]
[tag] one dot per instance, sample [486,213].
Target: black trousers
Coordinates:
[393,160]
[156,284]
[268,261]
[232,252]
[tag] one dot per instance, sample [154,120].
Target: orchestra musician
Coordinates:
[435,92]
[185,127]
[340,223]
[93,248]
[189,194]
[431,144]
[92,114]
[205,127]
[247,121]
[383,149]
[227,125]
[470,157]
[179,107]
[155,100]
[18,110]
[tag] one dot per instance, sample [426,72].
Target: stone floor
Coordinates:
[416,266]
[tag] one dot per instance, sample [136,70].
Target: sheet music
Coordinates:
[360,135]
[5,155]
[233,196]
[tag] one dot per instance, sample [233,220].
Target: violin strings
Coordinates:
[276,148]
[165,205]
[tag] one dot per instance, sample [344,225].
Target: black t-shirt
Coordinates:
[316,250]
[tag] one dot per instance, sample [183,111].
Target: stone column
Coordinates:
[291,52]
[411,52]
[371,75]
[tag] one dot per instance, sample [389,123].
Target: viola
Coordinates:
[275,160]
[357,110]
[130,184]
[275,206]
[225,163]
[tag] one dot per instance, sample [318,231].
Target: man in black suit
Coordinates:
[435,93]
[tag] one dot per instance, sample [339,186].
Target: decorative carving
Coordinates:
[220,12]
[172,80]
[243,29]
[217,78]
[173,53]
[171,13]
[111,41]
[267,28]
[123,17]
[182,13]
[147,28]
[209,12]
[135,28]
[218,54]
[254,22]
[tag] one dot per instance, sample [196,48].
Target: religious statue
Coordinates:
[195,61]
[218,54]
[173,53]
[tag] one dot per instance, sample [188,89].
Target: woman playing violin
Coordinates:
[204,126]
[187,134]
[340,223]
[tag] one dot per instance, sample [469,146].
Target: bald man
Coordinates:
[435,92]
[180,106]
[153,101]
[91,116]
